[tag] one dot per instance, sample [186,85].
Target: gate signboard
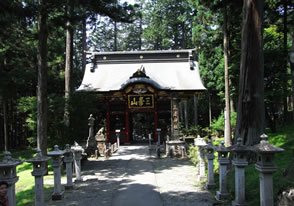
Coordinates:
[141,101]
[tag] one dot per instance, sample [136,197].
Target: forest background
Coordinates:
[73,27]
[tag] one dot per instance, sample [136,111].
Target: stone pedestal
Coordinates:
[56,155]
[101,143]
[175,148]
[8,174]
[266,167]
[39,170]
[223,160]
[210,184]
[68,159]
[240,162]
[77,154]
[200,143]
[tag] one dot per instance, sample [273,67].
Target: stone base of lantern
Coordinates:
[68,187]
[58,196]
[222,196]
[234,203]
[210,186]
[176,148]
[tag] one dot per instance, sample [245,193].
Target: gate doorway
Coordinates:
[141,125]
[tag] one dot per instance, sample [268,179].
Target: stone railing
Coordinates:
[239,153]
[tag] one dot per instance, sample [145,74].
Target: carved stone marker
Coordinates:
[39,170]
[200,143]
[56,155]
[8,174]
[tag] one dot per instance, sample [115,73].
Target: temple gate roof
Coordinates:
[173,70]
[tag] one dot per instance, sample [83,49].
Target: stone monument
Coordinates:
[91,142]
[174,146]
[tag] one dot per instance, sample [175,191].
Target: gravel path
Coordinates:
[132,172]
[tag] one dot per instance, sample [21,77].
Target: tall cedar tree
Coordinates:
[42,78]
[250,111]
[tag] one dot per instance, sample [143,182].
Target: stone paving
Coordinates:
[134,177]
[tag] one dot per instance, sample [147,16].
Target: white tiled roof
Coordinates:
[164,75]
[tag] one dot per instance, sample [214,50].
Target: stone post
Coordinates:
[117,131]
[77,154]
[200,143]
[210,184]
[239,152]
[266,167]
[39,170]
[8,174]
[158,130]
[223,160]
[149,140]
[56,155]
[68,159]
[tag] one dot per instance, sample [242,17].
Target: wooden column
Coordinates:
[155,119]
[127,123]
[107,121]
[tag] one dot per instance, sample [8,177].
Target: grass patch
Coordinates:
[284,138]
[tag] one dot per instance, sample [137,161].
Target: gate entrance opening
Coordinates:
[142,124]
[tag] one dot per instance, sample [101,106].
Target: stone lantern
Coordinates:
[77,154]
[266,167]
[209,148]
[223,160]
[240,153]
[200,143]
[40,163]
[68,159]
[56,155]
[8,174]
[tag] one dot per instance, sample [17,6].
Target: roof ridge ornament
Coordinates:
[141,73]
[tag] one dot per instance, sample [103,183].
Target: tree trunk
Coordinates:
[285,105]
[251,114]
[5,124]
[292,78]
[84,42]
[68,61]
[42,79]
[228,141]
[209,109]
[115,36]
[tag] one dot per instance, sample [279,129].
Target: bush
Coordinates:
[193,154]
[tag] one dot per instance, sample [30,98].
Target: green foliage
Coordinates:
[218,125]
[193,154]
